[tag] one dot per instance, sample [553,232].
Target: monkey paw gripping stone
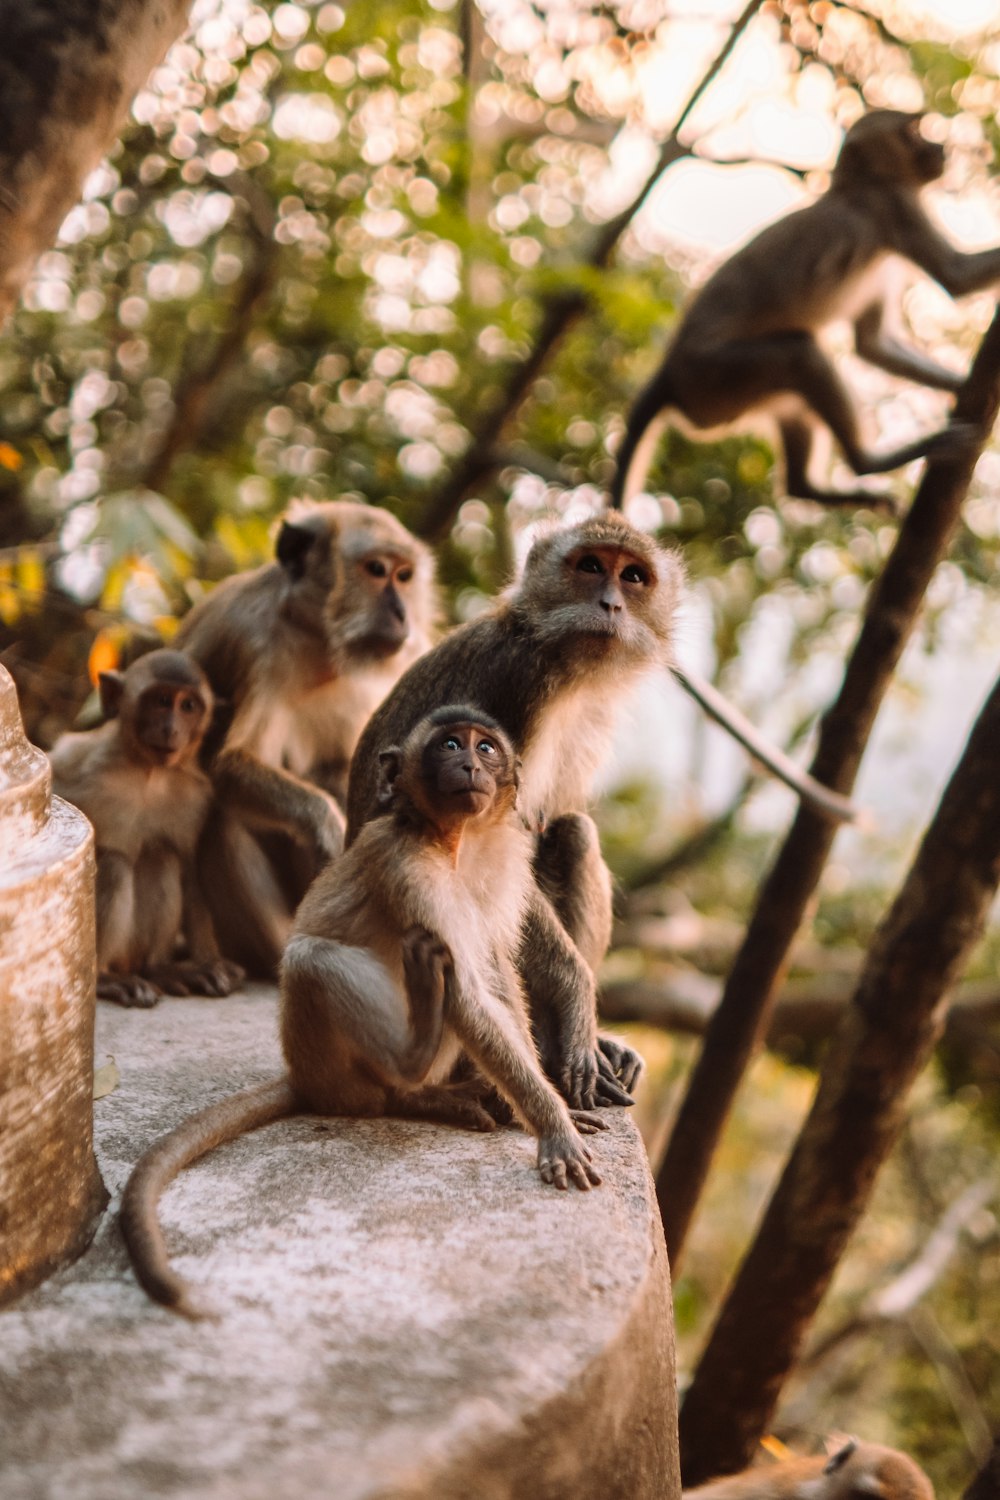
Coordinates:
[50,1191]
[404,1311]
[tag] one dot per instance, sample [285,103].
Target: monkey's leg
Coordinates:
[880,348]
[355,1003]
[646,420]
[246,906]
[571,871]
[116,948]
[804,368]
[205,972]
[440,1105]
[494,1038]
[797,440]
[563,1002]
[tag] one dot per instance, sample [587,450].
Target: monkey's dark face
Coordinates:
[168,723]
[887,144]
[465,767]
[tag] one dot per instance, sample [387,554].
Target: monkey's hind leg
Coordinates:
[571,871]
[441,1105]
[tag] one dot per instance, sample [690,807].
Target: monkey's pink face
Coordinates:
[612,587]
[465,765]
[383,583]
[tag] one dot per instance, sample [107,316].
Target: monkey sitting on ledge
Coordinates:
[399,970]
[138,780]
[747,342]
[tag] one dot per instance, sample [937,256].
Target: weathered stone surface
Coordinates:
[405,1310]
[50,1192]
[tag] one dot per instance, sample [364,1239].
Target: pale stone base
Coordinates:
[405,1310]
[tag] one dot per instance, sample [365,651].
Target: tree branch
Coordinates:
[894,1023]
[743,1016]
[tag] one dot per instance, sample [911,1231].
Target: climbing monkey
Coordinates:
[398,972]
[303,649]
[748,339]
[857,1471]
[592,611]
[138,780]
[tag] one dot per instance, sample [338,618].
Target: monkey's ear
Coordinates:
[293,547]
[390,763]
[840,1457]
[110,686]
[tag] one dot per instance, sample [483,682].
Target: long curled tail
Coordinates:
[646,419]
[157,1168]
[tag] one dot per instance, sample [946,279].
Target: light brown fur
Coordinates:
[400,970]
[748,339]
[138,780]
[303,650]
[856,1471]
[592,610]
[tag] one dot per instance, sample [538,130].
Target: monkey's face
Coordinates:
[168,723]
[371,616]
[465,768]
[887,144]
[609,597]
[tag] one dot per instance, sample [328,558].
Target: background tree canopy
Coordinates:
[423,254]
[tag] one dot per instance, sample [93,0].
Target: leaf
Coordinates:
[30,575]
[10,458]
[106,1078]
[105,653]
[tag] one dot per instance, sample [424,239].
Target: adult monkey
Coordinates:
[400,967]
[138,780]
[592,610]
[303,650]
[748,339]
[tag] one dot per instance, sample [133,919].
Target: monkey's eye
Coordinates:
[589,564]
[486,747]
[404,575]
[451,743]
[164,700]
[189,705]
[634,574]
[376,568]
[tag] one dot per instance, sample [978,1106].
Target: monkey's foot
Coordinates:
[954,441]
[443,1106]
[588,1121]
[562,1159]
[625,1064]
[216,977]
[127,989]
[588,1080]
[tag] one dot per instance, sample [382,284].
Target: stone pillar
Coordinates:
[51,1193]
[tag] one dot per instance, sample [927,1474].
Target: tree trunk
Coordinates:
[896,1017]
[741,1020]
[68,72]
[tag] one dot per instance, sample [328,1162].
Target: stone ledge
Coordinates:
[406,1311]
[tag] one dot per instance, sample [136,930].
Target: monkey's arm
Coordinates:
[959,272]
[491,1035]
[272,798]
[882,349]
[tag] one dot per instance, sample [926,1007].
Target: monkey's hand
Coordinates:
[624,1064]
[588,1121]
[563,1158]
[127,989]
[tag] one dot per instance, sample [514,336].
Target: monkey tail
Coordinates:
[157,1168]
[646,420]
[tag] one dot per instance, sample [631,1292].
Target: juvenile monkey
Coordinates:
[303,649]
[138,780]
[858,1471]
[399,968]
[748,339]
[592,610]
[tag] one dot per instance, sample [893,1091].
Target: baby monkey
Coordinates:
[399,979]
[138,780]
